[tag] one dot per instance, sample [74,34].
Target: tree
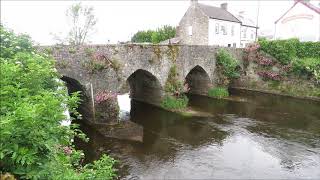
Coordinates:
[33,143]
[82,23]
[142,36]
[161,34]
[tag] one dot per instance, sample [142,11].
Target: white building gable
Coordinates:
[292,24]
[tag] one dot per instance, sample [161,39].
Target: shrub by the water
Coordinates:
[307,66]
[34,144]
[218,92]
[175,102]
[174,88]
[228,63]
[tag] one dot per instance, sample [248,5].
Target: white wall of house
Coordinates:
[224,33]
[294,23]
[248,35]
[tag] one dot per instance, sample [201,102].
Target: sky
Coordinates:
[119,20]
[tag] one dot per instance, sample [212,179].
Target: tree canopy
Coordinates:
[154,36]
[34,144]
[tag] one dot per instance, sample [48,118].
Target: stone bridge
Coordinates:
[140,69]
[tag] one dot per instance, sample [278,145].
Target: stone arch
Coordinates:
[144,86]
[198,80]
[84,108]
[73,85]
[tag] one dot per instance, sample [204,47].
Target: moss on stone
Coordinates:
[157,51]
[173,52]
[89,51]
[62,64]
[116,64]
[72,50]
[48,50]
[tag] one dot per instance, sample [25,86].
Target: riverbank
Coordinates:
[276,92]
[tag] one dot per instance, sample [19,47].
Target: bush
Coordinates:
[307,66]
[218,92]
[308,49]
[34,144]
[173,84]
[283,50]
[286,51]
[175,102]
[161,34]
[228,64]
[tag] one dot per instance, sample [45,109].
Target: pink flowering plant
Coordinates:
[252,47]
[269,75]
[104,96]
[265,61]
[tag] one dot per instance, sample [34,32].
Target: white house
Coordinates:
[301,20]
[248,30]
[209,25]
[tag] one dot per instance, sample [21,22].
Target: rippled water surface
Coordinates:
[248,136]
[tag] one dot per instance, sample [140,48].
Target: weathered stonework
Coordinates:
[199,22]
[142,69]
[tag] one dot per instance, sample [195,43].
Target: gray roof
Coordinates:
[218,13]
[246,21]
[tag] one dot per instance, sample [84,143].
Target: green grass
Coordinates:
[174,103]
[218,92]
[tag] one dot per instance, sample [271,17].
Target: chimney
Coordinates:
[224,6]
[193,2]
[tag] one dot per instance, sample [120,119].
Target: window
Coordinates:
[232,30]
[244,33]
[224,30]
[217,28]
[234,45]
[229,45]
[190,30]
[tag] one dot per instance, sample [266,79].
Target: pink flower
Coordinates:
[104,96]
[270,75]
[67,150]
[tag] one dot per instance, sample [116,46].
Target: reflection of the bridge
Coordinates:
[164,130]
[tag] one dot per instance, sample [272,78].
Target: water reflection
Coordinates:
[248,136]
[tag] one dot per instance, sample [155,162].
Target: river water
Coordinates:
[249,136]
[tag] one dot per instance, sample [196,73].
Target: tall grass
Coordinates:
[218,92]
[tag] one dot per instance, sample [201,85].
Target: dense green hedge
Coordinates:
[286,51]
[34,144]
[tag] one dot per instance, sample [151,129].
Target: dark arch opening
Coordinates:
[73,86]
[198,80]
[145,87]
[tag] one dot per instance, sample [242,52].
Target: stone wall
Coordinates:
[199,22]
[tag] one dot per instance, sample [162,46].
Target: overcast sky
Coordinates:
[119,20]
